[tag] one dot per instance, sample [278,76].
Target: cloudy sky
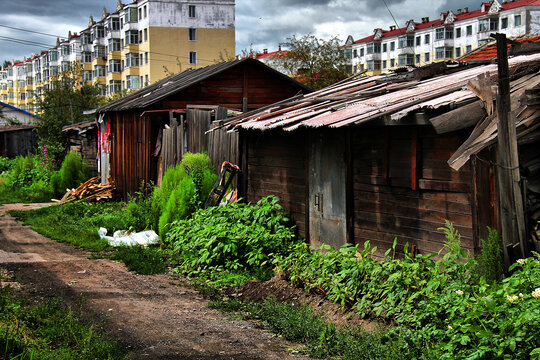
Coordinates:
[259,23]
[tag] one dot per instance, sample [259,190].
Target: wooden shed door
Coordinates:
[327,190]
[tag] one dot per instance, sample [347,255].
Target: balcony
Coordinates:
[373,56]
[405,50]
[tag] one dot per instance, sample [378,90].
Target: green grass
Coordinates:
[145,261]
[322,339]
[78,223]
[48,330]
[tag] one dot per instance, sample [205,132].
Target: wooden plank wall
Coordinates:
[85,144]
[19,142]
[403,187]
[263,87]
[198,123]
[131,152]
[276,165]
[223,146]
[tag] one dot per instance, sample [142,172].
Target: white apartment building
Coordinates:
[446,38]
[137,44]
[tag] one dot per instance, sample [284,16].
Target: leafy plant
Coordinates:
[236,238]
[73,172]
[491,258]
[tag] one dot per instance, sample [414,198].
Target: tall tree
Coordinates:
[62,104]
[315,62]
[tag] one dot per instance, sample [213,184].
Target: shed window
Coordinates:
[192,11]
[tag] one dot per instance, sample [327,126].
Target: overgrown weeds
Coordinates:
[48,330]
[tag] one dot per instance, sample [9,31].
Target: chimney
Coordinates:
[392,27]
[279,48]
[265,51]
[459,11]
[466,10]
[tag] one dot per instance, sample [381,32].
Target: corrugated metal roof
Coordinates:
[361,100]
[175,83]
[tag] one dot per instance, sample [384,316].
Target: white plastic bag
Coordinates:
[122,237]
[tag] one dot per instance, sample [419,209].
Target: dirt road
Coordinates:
[151,316]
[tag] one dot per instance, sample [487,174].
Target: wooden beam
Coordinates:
[460,118]
[511,201]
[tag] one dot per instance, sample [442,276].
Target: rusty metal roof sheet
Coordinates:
[361,100]
[175,83]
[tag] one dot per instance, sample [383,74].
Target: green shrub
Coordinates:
[140,207]
[6,164]
[180,204]
[201,171]
[73,172]
[491,258]
[238,237]
[439,305]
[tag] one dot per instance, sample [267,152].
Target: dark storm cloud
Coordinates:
[55,8]
[459,4]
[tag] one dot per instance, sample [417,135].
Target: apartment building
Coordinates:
[451,36]
[136,45]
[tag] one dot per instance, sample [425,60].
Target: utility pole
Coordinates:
[511,199]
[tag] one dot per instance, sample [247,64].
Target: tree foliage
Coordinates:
[63,104]
[315,62]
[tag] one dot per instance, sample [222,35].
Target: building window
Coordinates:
[132,82]
[427,39]
[417,58]
[193,57]
[99,71]
[144,11]
[146,57]
[99,51]
[145,34]
[146,82]
[115,45]
[85,38]
[444,33]
[458,33]
[468,48]
[517,20]
[115,86]
[443,53]
[87,76]
[469,30]
[405,59]
[132,60]
[405,41]
[426,57]
[490,24]
[392,63]
[373,48]
[140,13]
[392,46]
[132,37]
[384,64]
[418,40]
[86,57]
[131,15]
[140,37]
[191,11]
[192,34]
[115,66]
[373,65]
[114,24]
[65,66]
[482,42]
[457,51]
[384,47]
[66,50]
[361,52]
[504,23]
[355,53]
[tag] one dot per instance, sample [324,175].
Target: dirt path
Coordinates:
[151,316]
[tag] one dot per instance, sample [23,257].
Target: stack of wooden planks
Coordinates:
[91,190]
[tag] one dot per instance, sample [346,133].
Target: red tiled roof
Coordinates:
[489,51]
[459,17]
[269,55]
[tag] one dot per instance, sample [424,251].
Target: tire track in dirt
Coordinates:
[150,315]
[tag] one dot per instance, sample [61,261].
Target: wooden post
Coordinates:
[511,201]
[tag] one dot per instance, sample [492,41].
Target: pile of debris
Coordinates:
[91,190]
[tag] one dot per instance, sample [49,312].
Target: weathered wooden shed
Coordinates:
[132,128]
[367,159]
[83,139]
[17,140]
